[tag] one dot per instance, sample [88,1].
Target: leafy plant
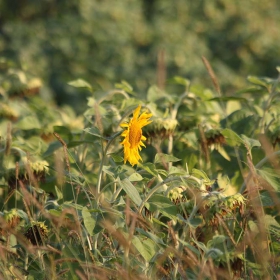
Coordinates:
[202,203]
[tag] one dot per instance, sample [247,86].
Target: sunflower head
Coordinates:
[133,138]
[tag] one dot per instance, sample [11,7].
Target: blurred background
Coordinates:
[105,41]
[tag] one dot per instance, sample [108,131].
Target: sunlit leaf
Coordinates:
[28,122]
[163,158]
[93,131]
[176,171]
[131,191]
[89,220]
[232,138]
[257,81]
[146,247]
[179,80]
[135,177]
[249,142]
[125,86]
[80,83]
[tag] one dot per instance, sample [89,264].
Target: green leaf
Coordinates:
[267,200]
[58,193]
[200,174]
[73,144]
[175,171]
[146,247]
[179,80]
[52,148]
[228,98]
[195,222]
[214,253]
[131,191]
[89,220]
[249,142]
[163,204]
[152,236]
[232,138]
[257,81]
[217,239]
[270,176]
[28,122]
[160,157]
[223,152]
[155,93]
[80,83]
[125,86]
[116,158]
[94,131]
[135,177]
[150,168]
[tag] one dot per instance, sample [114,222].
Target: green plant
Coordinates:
[202,203]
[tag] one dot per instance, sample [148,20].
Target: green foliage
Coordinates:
[103,43]
[203,203]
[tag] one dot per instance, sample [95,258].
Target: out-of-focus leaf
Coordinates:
[200,174]
[160,157]
[163,204]
[251,90]
[146,247]
[150,168]
[232,138]
[125,86]
[58,193]
[217,239]
[28,122]
[271,177]
[214,253]
[116,158]
[257,81]
[80,83]
[155,93]
[52,148]
[176,171]
[135,177]
[179,80]
[152,236]
[94,131]
[89,220]
[228,98]
[249,142]
[131,191]
[223,152]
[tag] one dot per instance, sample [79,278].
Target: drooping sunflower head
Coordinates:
[133,138]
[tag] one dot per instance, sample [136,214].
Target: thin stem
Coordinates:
[103,157]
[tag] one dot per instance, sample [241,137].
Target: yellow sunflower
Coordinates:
[133,137]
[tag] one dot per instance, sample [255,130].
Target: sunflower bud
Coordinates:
[8,112]
[161,128]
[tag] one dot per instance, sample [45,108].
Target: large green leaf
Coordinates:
[249,142]
[131,191]
[232,138]
[160,157]
[163,204]
[80,83]
[146,247]
[28,122]
[89,220]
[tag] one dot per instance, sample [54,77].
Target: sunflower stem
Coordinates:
[103,157]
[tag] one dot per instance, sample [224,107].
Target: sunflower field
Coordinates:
[139,140]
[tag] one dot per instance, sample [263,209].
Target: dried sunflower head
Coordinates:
[37,233]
